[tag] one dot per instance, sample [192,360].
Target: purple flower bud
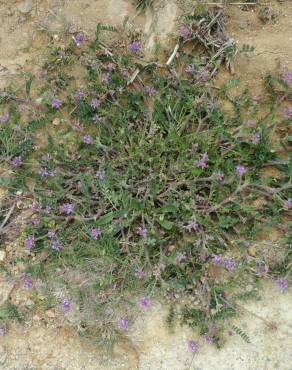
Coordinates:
[29,242]
[219,175]
[51,234]
[105,77]
[47,157]
[150,90]
[95,233]
[250,123]
[255,137]
[123,323]
[56,103]
[210,106]
[134,46]
[79,38]
[216,259]
[190,69]
[47,210]
[240,170]
[36,207]
[67,208]
[145,302]
[192,225]
[4,118]
[66,305]
[180,257]
[281,283]
[27,282]
[95,103]
[192,345]
[139,273]
[262,270]
[100,174]
[229,263]
[289,203]
[56,245]
[16,161]
[43,172]
[80,94]
[185,31]
[287,76]
[96,118]
[142,231]
[3,330]
[287,112]
[201,162]
[87,139]
[203,256]
[36,221]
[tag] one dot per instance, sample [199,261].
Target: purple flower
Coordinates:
[124,72]
[201,162]
[100,174]
[36,206]
[281,283]
[47,157]
[250,123]
[105,77]
[67,208]
[3,330]
[145,302]
[56,245]
[134,46]
[80,94]
[202,76]
[191,225]
[289,202]
[56,103]
[150,90]
[51,233]
[210,106]
[16,161]
[66,305]
[192,345]
[96,118]
[190,68]
[219,175]
[43,172]
[139,273]
[79,38]
[36,221]
[287,112]
[47,210]
[216,259]
[110,66]
[180,256]
[4,118]
[95,103]
[255,137]
[287,76]
[95,233]
[229,263]
[185,31]
[123,323]
[29,241]
[52,173]
[27,282]
[240,170]
[142,231]
[262,270]
[87,139]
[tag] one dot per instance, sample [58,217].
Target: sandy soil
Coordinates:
[47,343]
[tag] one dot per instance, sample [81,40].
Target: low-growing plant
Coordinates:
[141,185]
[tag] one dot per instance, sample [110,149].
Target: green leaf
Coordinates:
[166,224]
[168,208]
[105,219]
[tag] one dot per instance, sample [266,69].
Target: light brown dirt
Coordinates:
[48,342]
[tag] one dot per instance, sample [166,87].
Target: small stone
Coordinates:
[252,251]
[50,313]
[56,121]
[2,255]
[26,6]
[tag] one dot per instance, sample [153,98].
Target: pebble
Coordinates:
[2,255]
[26,6]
